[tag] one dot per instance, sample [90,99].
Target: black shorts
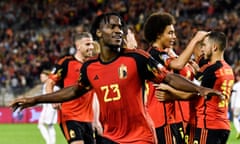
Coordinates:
[167,134]
[210,136]
[75,130]
[190,133]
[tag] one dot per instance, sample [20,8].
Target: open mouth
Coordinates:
[172,43]
[117,37]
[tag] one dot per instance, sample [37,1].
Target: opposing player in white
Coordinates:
[48,116]
[235,103]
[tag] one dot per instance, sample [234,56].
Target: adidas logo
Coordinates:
[96,77]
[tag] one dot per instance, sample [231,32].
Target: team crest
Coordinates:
[122,72]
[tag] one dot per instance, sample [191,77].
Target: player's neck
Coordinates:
[158,46]
[108,55]
[79,57]
[216,58]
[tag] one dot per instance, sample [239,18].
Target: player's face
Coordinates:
[206,49]
[168,38]
[43,77]
[111,32]
[197,50]
[85,46]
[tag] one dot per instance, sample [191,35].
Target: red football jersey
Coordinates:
[212,112]
[172,112]
[153,105]
[66,73]
[162,113]
[182,108]
[120,89]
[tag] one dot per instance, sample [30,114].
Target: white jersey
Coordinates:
[235,97]
[48,114]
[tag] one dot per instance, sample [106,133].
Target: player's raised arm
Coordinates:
[183,58]
[177,81]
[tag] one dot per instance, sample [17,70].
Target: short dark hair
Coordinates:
[155,24]
[80,35]
[219,38]
[103,17]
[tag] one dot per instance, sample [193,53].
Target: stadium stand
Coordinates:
[35,33]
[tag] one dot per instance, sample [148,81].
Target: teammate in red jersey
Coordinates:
[212,123]
[118,75]
[160,33]
[75,116]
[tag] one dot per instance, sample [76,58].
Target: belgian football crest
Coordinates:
[122,71]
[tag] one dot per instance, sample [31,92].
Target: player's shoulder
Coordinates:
[65,58]
[92,59]
[225,64]
[137,52]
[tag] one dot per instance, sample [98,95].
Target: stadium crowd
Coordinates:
[35,33]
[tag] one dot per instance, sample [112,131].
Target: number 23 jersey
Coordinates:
[120,87]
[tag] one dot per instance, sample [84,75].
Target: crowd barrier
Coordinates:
[28,115]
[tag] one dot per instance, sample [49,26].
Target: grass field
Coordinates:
[25,134]
[29,134]
[232,138]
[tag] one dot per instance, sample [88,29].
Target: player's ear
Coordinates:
[159,36]
[215,47]
[99,33]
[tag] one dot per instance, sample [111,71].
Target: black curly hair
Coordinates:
[155,24]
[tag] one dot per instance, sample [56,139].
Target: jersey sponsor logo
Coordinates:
[122,71]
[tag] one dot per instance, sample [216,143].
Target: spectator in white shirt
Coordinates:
[235,103]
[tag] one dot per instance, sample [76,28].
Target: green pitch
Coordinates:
[30,134]
[25,134]
[232,138]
